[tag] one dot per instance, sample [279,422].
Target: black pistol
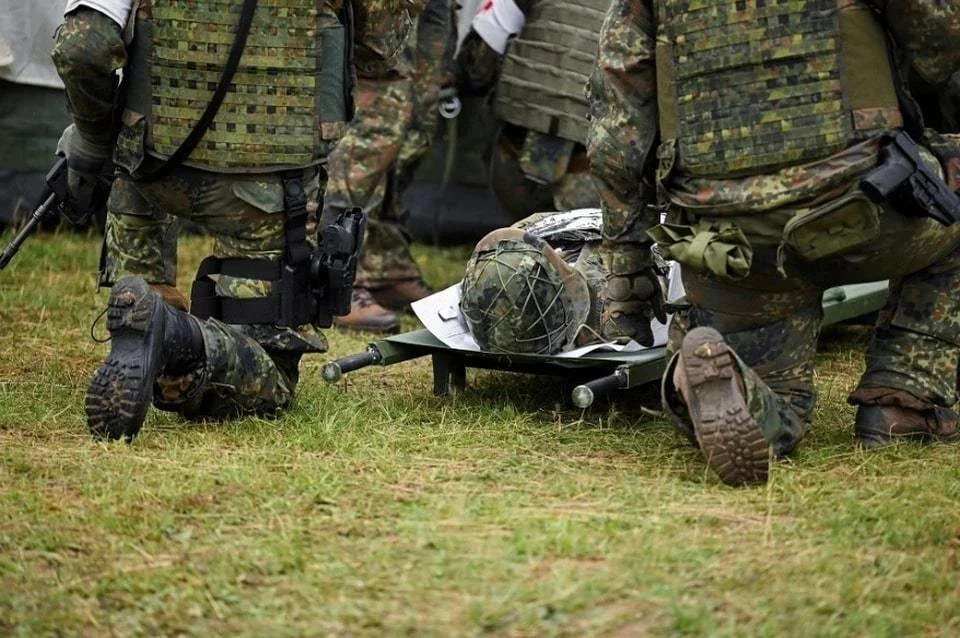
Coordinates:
[904,178]
[334,266]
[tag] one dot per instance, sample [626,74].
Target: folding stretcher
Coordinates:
[600,372]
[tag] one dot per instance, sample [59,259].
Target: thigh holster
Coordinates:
[290,302]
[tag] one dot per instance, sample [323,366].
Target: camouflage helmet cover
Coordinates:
[520,297]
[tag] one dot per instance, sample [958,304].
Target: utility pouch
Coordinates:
[833,228]
[129,151]
[332,87]
[716,247]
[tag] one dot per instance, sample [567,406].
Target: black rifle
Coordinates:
[904,177]
[334,266]
[56,200]
[53,195]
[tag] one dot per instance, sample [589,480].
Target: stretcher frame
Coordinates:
[601,372]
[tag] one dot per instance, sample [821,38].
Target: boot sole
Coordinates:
[729,436]
[877,440]
[118,396]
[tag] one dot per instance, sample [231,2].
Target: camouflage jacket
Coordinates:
[624,128]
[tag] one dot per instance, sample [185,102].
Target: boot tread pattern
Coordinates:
[112,401]
[118,396]
[729,436]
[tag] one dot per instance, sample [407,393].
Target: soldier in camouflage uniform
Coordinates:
[388,278]
[249,183]
[767,115]
[536,55]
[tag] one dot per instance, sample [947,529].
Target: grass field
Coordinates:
[375,508]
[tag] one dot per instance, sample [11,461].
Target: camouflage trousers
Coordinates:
[772,322]
[386,252]
[249,368]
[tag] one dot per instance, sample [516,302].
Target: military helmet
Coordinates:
[519,297]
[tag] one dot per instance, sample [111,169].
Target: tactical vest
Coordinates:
[285,107]
[754,86]
[547,66]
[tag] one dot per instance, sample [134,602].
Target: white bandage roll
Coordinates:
[496,21]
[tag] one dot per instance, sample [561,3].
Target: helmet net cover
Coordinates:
[514,300]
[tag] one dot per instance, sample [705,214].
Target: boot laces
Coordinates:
[93,327]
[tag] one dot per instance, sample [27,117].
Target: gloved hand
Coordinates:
[631,302]
[88,176]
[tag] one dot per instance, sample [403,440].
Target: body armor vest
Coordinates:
[752,87]
[547,66]
[286,105]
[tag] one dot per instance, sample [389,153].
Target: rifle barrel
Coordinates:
[14,246]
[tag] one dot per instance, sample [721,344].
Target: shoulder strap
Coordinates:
[233,61]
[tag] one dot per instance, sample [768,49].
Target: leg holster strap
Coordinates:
[290,301]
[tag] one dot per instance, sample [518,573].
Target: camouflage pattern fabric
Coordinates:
[477,65]
[515,300]
[785,60]
[771,316]
[236,379]
[915,348]
[285,106]
[927,30]
[359,174]
[88,52]
[431,70]
[535,287]
[513,162]
[399,126]
[621,96]
[248,368]
[251,368]
[244,214]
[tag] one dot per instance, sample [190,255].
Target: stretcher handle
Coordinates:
[584,395]
[333,371]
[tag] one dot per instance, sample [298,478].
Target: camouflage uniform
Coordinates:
[538,160]
[735,232]
[382,165]
[248,368]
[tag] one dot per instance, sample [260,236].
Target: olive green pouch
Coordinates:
[129,151]
[717,247]
[833,228]
[332,99]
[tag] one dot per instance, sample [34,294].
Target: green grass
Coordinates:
[375,508]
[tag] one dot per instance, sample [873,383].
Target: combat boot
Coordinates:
[400,294]
[712,388]
[367,315]
[878,426]
[147,338]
